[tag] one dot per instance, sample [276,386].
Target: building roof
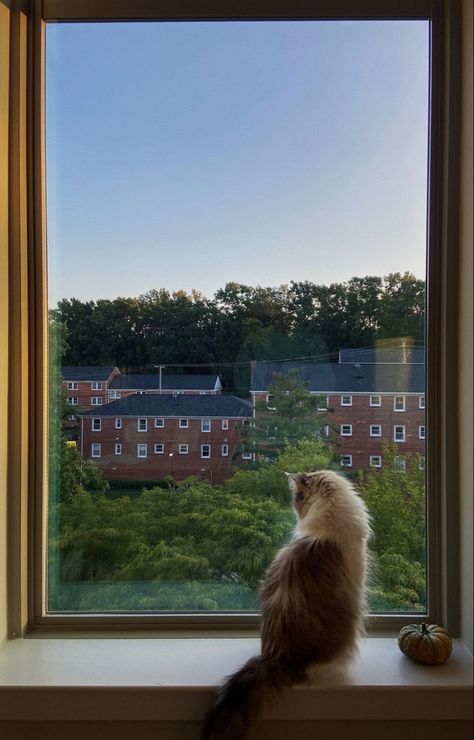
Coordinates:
[398,355]
[168,382]
[143,404]
[87,372]
[345,378]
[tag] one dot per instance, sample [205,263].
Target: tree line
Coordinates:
[241,323]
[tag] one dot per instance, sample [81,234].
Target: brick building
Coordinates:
[150,436]
[371,397]
[125,385]
[86,386]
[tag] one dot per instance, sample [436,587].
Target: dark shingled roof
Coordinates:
[344,378]
[169,382]
[143,404]
[86,372]
[399,355]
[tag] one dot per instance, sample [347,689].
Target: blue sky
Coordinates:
[189,155]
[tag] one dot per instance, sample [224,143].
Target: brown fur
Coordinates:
[312,601]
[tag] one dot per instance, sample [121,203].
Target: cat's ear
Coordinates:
[291,476]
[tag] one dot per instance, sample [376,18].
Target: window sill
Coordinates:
[171,679]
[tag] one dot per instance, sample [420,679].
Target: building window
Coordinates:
[225,424]
[346,400]
[183,423]
[421,402]
[96,385]
[205,451]
[159,449]
[246,455]
[375,400]
[72,400]
[142,425]
[346,430]
[142,450]
[375,430]
[71,417]
[346,461]
[96,425]
[159,423]
[118,423]
[399,403]
[96,401]
[118,448]
[325,432]
[183,449]
[375,461]
[72,385]
[323,403]
[205,425]
[399,464]
[115,394]
[421,432]
[225,450]
[399,433]
[96,449]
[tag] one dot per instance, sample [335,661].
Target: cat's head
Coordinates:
[307,488]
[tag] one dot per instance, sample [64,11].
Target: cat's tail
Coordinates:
[241,697]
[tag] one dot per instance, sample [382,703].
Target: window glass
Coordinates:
[252,198]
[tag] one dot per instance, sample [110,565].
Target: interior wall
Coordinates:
[466,401]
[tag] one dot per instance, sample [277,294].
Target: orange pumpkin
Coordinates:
[425,643]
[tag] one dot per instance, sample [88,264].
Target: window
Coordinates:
[159,423]
[399,433]
[375,430]
[246,455]
[118,423]
[325,432]
[205,451]
[72,385]
[142,425]
[183,423]
[159,449]
[96,449]
[346,430]
[400,464]
[118,448]
[399,403]
[375,400]
[225,424]
[72,400]
[224,450]
[323,403]
[96,425]
[96,385]
[205,425]
[183,449]
[96,400]
[114,395]
[421,402]
[421,432]
[346,461]
[375,461]
[142,450]
[346,400]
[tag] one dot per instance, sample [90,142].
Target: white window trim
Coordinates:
[422,431]
[399,426]
[183,424]
[96,401]
[118,422]
[72,385]
[226,452]
[375,405]
[118,448]
[225,424]
[346,395]
[72,400]
[422,403]
[203,456]
[93,423]
[142,445]
[96,385]
[138,424]
[346,457]
[373,464]
[206,431]
[97,446]
[376,434]
[159,451]
[115,394]
[246,455]
[346,434]
[157,425]
[395,404]
[183,449]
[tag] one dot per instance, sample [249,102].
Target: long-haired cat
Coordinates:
[313,601]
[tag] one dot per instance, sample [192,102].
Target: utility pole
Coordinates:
[160,368]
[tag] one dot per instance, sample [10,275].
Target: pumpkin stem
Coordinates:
[424,629]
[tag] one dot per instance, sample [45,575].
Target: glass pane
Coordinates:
[236,246]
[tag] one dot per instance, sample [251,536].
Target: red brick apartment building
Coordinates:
[371,396]
[125,385]
[86,386]
[150,436]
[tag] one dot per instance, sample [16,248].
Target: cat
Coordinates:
[313,601]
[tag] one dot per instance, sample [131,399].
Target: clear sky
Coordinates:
[189,155]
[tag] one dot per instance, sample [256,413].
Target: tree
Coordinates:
[290,416]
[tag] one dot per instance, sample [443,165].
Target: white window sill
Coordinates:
[170,679]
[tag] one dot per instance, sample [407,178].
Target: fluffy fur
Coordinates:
[313,601]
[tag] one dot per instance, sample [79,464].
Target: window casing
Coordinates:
[184,423]
[142,425]
[142,450]
[435,261]
[118,423]
[205,425]
[96,400]
[375,430]
[346,461]
[346,400]
[159,449]
[96,385]
[72,385]
[183,449]
[346,430]
[206,452]
[96,425]
[118,448]
[72,400]
[375,461]
[96,449]
[159,423]
[225,450]
[399,433]
[399,403]
[224,424]
[375,401]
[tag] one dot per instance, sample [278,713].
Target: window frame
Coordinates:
[118,449]
[160,451]
[375,405]
[372,427]
[442,318]
[203,456]
[395,409]
[94,423]
[97,446]
[346,457]
[140,446]
[346,395]
[347,433]
[404,432]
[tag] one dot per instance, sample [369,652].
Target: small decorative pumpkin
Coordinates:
[425,643]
